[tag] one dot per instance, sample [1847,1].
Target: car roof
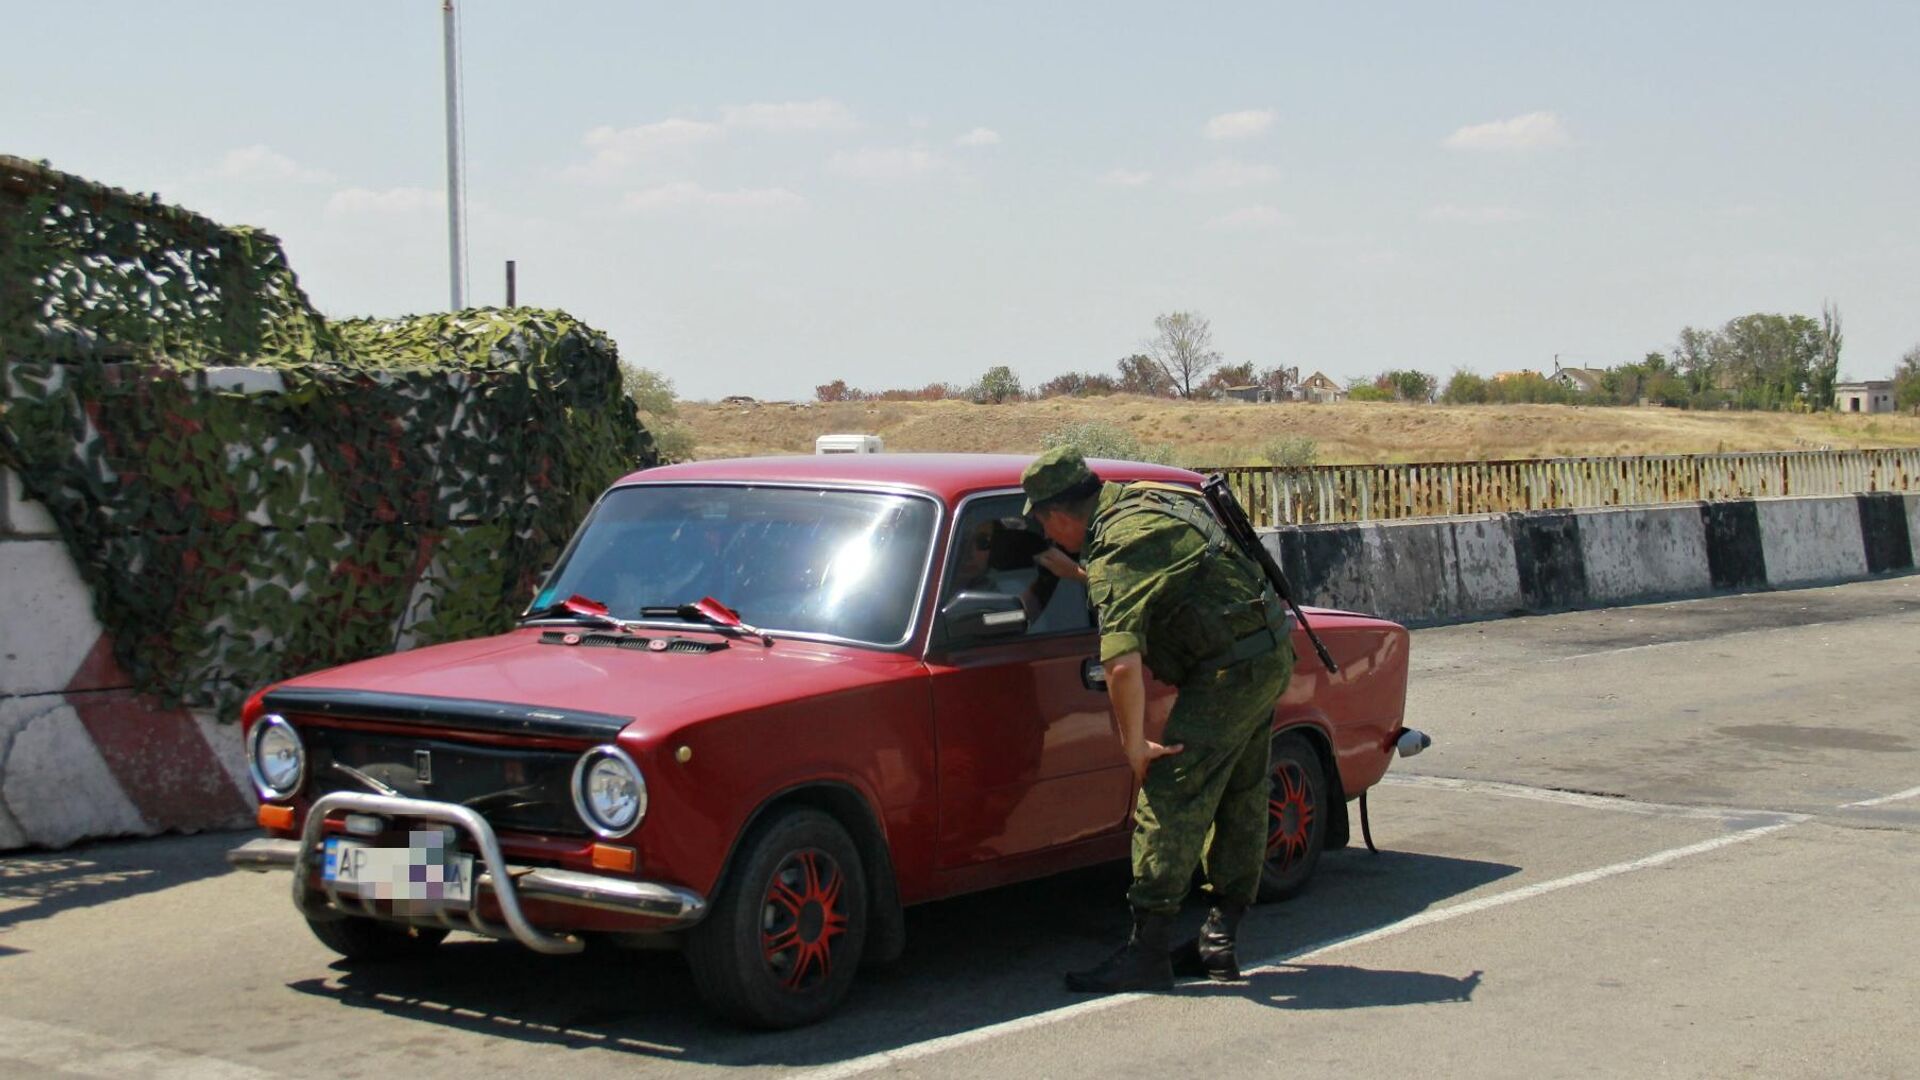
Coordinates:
[949,476]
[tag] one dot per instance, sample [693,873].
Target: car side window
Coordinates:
[993,549]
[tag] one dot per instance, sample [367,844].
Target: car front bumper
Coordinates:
[668,906]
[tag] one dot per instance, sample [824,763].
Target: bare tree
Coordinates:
[1182,345]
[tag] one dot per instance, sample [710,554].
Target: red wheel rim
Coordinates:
[801,918]
[1289,816]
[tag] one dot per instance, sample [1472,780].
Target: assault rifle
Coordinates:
[1234,519]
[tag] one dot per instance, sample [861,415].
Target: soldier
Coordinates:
[1173,593]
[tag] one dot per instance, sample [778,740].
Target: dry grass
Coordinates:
[1229,433]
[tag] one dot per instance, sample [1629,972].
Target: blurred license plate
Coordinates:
[427,873]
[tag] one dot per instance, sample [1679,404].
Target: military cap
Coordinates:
[1052,474]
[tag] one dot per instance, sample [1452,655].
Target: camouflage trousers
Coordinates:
[1210,800]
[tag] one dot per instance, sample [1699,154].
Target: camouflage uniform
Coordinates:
[1169,584]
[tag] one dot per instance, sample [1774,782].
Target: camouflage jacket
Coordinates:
[1170,585]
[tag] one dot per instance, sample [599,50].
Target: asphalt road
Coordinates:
[1674,840]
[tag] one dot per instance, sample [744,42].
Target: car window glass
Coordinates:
[843,563]
[993,551]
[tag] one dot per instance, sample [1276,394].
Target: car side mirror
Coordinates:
[975,616]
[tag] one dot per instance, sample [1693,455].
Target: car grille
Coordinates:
[521,790]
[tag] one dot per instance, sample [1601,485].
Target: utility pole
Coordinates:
[509,282]
[454,197]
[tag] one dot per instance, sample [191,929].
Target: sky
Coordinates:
[758,198]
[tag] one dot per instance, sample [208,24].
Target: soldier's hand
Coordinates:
[1060,565]
[1146,755]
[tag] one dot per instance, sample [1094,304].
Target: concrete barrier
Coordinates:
[1439,570]
[1813,540]
[81,754]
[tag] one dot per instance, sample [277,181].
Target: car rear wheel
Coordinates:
[781,945]
[358,938]
[1296,817]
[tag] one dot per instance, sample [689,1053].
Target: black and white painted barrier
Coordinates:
[1436,570]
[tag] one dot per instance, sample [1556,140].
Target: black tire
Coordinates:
[1297,813]
[782,943]
[371,940]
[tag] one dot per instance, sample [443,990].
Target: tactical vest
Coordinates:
[1224,614]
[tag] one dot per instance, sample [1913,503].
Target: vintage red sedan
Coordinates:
[758,707]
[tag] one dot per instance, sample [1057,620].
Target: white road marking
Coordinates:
[1898,796]
[914,1051]
[1575,798]
[73,1052]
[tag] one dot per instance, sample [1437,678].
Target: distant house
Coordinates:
[1873,396]
[1319,389]
[1523,373]
[1584,380]
[1249,392]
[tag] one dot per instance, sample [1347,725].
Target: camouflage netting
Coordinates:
[252,491]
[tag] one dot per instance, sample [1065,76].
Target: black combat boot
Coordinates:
[1211,954]
[1141,964]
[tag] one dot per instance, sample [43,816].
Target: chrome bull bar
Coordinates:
[672,905]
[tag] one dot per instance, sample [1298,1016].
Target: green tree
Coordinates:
[1465,388]
[1906,380]
[1826,366]
[1770,358]
[1407,385]
[653,399]
[1182,344]
[1000,385]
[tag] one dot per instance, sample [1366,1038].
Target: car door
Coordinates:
[1027,753]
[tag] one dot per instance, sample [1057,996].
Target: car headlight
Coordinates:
[275,757]
[609,791]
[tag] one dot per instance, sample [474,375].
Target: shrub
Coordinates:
[1097,439]
[1291,452]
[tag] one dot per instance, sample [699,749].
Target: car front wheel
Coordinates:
[1296,817]
[781,944]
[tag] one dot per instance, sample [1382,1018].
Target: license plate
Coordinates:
[425,875]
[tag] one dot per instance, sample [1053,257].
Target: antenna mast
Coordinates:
[455,197]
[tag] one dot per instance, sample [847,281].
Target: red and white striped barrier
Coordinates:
[81,754]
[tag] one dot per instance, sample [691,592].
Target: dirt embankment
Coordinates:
[1238,433]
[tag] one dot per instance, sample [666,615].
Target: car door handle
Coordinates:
[1092,675]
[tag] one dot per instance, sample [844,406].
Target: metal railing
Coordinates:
[1323,493]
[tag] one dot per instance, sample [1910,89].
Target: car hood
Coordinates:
[659,691]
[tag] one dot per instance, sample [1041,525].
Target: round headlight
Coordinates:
[276,758]
[609,792]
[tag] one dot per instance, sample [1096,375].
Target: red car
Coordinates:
[903,708]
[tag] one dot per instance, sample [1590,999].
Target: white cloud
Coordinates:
[394,202]
[690,196]
[823,114]
[979,137]
[1244,124]
[260,163]
[885,164]
[1478,215]
[1526,132]
[1126,178]
[616,149]
[1227,174]
[1258,216]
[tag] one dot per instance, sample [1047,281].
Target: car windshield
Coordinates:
[846,564]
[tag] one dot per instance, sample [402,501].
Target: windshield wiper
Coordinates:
[579,609]
[713,613]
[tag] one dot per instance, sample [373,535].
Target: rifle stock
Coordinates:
[1234,518]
